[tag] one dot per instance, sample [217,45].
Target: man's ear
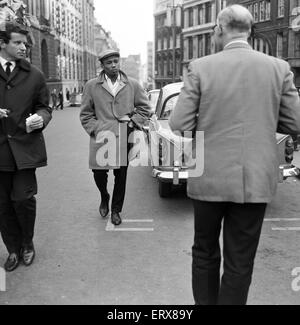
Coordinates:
[2,44]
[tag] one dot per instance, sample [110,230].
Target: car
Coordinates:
[168,158]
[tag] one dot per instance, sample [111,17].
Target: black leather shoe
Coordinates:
[28,255]
[12,262]
[116,219]
[104,209]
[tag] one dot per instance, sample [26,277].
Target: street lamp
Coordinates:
[173,24]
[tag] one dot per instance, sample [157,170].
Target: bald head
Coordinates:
[236,19]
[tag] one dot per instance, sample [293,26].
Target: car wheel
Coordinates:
[165,189]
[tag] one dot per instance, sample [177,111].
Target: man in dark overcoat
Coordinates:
[24,113]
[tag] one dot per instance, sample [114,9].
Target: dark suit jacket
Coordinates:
[23,93]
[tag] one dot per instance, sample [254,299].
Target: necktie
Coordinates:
[7,70]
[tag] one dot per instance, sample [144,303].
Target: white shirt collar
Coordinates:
[236,41]
[4,61]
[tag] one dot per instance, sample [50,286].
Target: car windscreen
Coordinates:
[169,106]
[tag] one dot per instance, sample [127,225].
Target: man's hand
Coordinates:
[34,122]
[3,113]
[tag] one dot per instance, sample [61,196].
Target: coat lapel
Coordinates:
[3,73]
[20,73]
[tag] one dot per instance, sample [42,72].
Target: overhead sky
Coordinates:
[130,22]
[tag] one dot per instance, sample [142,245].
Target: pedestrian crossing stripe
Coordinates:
[282,219]
[111,227]
[286,229]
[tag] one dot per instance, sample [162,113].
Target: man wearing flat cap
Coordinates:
[113,105]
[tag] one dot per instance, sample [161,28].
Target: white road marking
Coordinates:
[133,229]
[112,227]
[137,221]
[282,219]
[286,229]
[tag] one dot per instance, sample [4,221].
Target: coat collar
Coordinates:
[123,77]
[123,82]
[238,44]
[21,65]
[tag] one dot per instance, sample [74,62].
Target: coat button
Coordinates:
[8,87]
[9,136]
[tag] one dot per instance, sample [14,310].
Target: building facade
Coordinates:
[42,54]
[273,32]
[75,56]
[168,42]
[132,66]
[150,66]
[199,19]
[103,41]
[63,40]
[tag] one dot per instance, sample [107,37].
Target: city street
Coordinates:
[82,259]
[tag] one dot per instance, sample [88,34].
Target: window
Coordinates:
[208,12]
[268,9]
[255,12]
[279,49]
[280,8]
[169,107]
[207,44]
[262,12]
[191,17]
[200,46]
[201,15]
[190,54]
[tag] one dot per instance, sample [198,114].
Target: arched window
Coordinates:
[45,61]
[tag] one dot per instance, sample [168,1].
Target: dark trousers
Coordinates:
[101,177]
[17,208]
[242,224]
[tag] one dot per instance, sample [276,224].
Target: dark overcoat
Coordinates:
[23,93]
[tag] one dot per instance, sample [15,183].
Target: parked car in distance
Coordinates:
[169,160]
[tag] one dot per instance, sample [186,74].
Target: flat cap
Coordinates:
[107,53]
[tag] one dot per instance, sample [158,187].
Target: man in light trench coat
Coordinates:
[113,105]
[239,98]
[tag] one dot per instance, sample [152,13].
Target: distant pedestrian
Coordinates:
[54,99]
[240,178]
[60,100]
[22,149]
[68,95]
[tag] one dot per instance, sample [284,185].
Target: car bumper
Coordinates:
[175,176]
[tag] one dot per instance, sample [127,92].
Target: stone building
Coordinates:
[273,32]
[150,66]
[168,42]
[42,53]
[73,31]
[64,41]
[132,66]
[199,20]
[103,41]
